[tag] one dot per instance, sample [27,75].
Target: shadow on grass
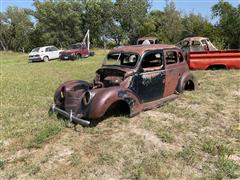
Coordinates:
[114,111]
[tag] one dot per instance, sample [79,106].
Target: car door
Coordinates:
[48,52]
[55,52]
[173,71]
[151,77]
[84,50]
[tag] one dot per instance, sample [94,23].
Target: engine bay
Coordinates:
[109,77]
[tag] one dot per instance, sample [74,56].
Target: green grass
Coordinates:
[193,137]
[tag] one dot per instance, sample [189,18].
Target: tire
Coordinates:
[91,53]
[45,59]
[78,56]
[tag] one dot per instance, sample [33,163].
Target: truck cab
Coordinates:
[75,52]
[148,40]
[196,44]
[202,54]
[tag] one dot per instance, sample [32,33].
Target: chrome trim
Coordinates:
[70,115]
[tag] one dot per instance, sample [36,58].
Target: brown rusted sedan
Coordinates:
[131,79]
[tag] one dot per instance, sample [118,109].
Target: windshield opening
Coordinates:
[35,50]
[77,46]
[121,59]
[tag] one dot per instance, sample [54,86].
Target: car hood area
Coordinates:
[70,51]
[33,53]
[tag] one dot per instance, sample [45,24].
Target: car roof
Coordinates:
[44,47]
[147,38]
[140,49]
[194,38]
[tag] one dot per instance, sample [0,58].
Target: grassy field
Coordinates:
[196,136]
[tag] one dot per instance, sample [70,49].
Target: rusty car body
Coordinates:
[131,79]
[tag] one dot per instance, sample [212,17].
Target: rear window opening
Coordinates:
[154,59]
[171,57]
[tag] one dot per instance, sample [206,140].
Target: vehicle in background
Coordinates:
[148,40]
[202,54]
[45,54]
[75,52]
[131,79]
[78,50]
[143,41]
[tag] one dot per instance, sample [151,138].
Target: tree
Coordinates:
[98,18]
[194,25]
[171,23]
[229,23]
[129,16]
[59,22]
[15,29]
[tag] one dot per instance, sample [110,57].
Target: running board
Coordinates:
[158,103]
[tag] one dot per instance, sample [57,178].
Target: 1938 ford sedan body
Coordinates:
[131,79]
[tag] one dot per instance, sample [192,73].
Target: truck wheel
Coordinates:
[45,59]
[91,53]
[78,56]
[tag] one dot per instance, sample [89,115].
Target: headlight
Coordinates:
[87,97]
[73,54]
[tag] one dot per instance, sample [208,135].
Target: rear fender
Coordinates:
[105,97]
[185,78]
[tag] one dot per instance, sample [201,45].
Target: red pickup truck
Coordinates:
[202,54]
[74,52]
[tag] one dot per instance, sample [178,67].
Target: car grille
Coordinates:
[65,54]
[34,56]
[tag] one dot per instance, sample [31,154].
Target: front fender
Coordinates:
[68,86]
[105,97]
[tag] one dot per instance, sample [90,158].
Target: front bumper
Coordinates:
[67,57]
[34,59]
[70,115]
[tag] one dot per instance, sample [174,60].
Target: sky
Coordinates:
[185,6]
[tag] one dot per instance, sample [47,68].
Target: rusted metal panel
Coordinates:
[203,60]
[140,49]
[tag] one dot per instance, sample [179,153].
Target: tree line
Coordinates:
[111,23]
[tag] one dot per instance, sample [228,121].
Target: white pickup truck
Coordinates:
[45,54]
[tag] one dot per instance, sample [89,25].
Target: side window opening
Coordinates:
[152,60]
[47,50]
[180,57]
[54,48]
[204,41]
[196,43]
[171,57]
[151,41]
[196,46]
[205,44]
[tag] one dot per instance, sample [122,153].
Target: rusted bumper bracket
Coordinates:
[70,115]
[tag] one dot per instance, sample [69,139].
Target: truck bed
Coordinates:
[229,59]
